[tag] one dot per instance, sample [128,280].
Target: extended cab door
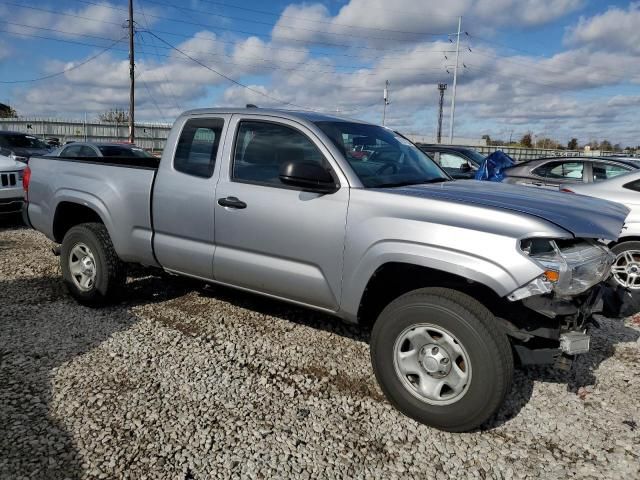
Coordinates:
[270,237]
[183,196]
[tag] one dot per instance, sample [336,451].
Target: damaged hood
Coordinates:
[584,217]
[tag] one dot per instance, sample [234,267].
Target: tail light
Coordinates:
[566,190]
[26,177]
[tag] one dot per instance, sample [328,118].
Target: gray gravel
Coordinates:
[193,382]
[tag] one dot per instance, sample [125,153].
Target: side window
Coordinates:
[450,160]
[262,147]
[603,171]
[635,186]
[72,151]
[198,146]
[561,170]
[87,152]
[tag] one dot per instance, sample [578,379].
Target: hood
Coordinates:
[29,152]
[10,165]
[584,217]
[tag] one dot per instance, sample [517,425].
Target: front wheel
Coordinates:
[441,359]
[91,268]
[626,268]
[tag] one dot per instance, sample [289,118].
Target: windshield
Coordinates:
[380,157]
[22,141]
[475,156]
[118,151]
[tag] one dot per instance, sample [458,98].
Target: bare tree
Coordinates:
[114,116]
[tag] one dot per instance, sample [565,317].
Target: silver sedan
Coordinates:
[623,189]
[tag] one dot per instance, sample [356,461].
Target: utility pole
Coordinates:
[385,97]
[442,87]
[132,78]
[455,82]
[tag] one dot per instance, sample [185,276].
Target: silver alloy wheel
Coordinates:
[432,364]
[82,266]
[626,269]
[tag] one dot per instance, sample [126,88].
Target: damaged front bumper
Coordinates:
[548,329]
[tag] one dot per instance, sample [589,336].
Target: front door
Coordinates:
[184,196]
[270,237]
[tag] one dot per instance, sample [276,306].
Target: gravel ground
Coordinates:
[189,382]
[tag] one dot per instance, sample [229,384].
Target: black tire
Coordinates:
[617,250]
[475,329]
[110,273]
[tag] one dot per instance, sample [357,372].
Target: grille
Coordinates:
[8,179]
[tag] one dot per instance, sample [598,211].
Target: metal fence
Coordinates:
[151,136]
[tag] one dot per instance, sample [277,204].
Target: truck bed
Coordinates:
[118,188]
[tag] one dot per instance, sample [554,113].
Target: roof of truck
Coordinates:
[292,114]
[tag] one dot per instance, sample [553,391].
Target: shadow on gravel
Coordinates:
[41,328]
[285,311]
[603,341]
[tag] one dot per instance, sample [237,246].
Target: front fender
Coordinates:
[501,277]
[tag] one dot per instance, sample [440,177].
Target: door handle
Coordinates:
[231,202]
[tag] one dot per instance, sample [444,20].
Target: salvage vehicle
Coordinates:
[459,279]
[624,189]
[99,149]
[20,146]
[11,193]
[459,162]
[555,172]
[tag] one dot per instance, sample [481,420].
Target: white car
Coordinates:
[623,189]
[11,192]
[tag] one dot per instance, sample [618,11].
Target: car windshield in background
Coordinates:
[381,158]
[22,141]
[477,157]
[118,151]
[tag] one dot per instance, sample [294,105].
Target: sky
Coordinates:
[554,68]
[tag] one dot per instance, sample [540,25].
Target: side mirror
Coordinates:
[465,167]
[308,176]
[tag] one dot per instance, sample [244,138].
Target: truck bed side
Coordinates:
[119,192]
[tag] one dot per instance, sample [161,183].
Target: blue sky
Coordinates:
[556,68]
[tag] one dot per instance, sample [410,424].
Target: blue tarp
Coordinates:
[492,166]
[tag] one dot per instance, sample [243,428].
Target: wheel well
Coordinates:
[69,214]
[625,239]
[391,280]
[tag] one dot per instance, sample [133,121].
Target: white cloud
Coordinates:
[615,29]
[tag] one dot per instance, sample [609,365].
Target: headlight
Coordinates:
[570,266]
[18,158]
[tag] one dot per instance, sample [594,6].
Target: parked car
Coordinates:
[555,172]
[455,277]
[624,189]
[11,192]
[459,162]
[20,146]
[91,149]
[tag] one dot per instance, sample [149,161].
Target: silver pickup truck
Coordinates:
[458,279]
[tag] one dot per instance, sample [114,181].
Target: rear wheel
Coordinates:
[91,268]
[440,358]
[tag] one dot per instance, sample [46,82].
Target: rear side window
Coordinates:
[72,151]
[198,146]
[87,152]
[604,171]
[561,170]
[262,147]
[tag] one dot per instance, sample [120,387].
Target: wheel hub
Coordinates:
[626,269]
[435,360]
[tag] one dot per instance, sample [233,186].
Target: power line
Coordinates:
[253,33]
[240,84]
[260,22]
[45,77]
[314,21]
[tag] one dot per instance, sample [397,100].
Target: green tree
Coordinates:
[525,141]
[7,111]
[573,144]
[606,145]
